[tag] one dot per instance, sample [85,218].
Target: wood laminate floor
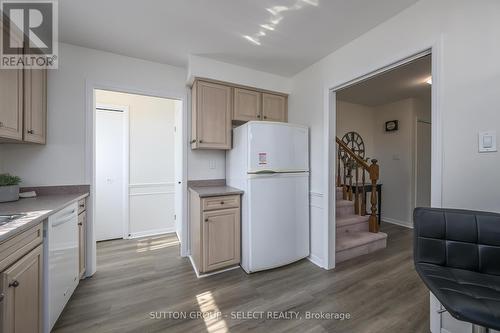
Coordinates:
[139,279]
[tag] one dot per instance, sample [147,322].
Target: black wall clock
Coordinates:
[392,125]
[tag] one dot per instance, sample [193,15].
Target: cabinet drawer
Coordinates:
[82,206]
[17,246]
[228,201]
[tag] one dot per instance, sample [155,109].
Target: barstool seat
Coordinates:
[457,256]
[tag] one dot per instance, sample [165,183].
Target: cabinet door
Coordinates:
[82,244]
[274,107]
[11,106]
[21,285]
[221,238]
[35,105]
[247,105]
[213,116]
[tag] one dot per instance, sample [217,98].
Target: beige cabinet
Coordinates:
[247,105]
[215,231]
[11,106]
[23,110]
[211,116]
[21,281]
[221,238]
[35,105]
[82,237]
[274,107]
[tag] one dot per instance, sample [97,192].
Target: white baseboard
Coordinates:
[198,275]
[316,260]
[149,233]
[398,222]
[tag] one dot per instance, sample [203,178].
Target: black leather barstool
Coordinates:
[457,255]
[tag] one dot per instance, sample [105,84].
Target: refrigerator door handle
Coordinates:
[265,172]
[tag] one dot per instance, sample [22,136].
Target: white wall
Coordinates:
[465,33]
[358,118]
[395,154]
[62,160]
[217,70]
[152,164]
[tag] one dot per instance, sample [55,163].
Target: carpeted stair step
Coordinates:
[344,208]
[352,223]
[354,244]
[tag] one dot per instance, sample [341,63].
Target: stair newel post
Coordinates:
[344,184]
[349,175]
[356,191]
[363,193]
[374,175]
[339,181]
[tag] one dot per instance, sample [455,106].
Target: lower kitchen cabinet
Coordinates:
[221,238]
[21,287]
[215,231]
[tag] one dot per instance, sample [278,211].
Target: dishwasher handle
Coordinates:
[62,221]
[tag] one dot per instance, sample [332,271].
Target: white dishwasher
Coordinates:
[61,262]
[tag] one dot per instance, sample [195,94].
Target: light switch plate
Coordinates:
[212,164]
[487,142]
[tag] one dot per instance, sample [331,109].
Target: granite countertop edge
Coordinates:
[25,223]
[215,191]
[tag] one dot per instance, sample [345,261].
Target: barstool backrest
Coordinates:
[456,238]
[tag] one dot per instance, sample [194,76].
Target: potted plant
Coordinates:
[9,187]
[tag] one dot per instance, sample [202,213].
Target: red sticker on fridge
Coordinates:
[262,158]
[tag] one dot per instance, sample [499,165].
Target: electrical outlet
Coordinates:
[212,164]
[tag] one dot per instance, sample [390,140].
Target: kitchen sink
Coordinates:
[6,218]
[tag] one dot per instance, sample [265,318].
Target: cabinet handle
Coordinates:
[201,141]
[193,141]
[31,131]
[81,205]
[222,202]
[258,116]
[1,124]
[2,297]
[265,117]
[206,220]
[80,223]
[14,284]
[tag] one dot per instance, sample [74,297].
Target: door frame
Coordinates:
[435,50]
[126,162]
[415,160]
[90,104]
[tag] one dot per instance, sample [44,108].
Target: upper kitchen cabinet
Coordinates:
[11,107]
[274,107]
[211,115]
[23,111]
[247,105]
[35,105]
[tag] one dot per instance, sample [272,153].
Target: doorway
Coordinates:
[138,166]
[435,155]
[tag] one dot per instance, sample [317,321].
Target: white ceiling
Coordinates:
[166,31]
[400,83]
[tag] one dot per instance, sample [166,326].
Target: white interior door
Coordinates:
[423,164]
[110,174]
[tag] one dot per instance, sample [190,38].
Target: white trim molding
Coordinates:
[405,224]
[149,233]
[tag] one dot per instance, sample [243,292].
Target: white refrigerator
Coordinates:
[270,163]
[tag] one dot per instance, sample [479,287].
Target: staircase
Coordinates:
[353,238]
[357,233]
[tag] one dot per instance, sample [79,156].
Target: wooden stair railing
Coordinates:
[347,191]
